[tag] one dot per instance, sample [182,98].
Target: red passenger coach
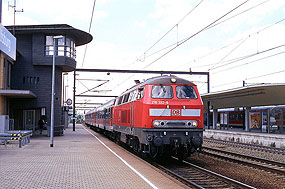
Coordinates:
[161,116]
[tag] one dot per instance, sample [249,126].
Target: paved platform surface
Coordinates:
[77,160]
[265,139]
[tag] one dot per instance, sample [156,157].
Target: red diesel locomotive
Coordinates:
[163,115]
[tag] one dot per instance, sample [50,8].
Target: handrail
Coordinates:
[22,135]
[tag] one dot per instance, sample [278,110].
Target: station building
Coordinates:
[28,79]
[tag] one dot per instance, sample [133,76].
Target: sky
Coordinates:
[234,40]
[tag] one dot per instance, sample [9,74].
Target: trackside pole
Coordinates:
[74,90]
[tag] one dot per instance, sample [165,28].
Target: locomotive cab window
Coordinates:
[185,92]
[161,91]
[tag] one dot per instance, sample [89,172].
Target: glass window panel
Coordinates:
[60,53]
[71,44]
[67,42]
[49,50]
[162,91]
[140,93]
[186,92]
[135,95]
[60,42]
[49,40]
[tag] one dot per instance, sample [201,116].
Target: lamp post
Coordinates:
[52,90]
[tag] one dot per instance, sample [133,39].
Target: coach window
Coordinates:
[161,91]
[185,92]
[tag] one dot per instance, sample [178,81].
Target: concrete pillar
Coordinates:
[247,109]
[215,118]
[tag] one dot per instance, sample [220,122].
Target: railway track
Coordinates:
[260,163]
[247,146]
[197,177]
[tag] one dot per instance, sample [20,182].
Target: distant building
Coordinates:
[31,74]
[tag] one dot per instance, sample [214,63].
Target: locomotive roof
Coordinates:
[165,79]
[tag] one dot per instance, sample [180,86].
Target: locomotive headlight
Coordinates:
[156,123]
[173,80]
[194,124]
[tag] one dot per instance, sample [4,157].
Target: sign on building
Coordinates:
[7,42]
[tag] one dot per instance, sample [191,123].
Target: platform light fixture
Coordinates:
[52,90]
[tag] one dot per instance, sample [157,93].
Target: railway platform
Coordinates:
[264,139]
[80,159]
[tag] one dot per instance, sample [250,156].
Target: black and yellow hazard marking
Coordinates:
[14,135]
[15,138]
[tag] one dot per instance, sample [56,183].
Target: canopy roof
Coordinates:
[250,96]
[17,93]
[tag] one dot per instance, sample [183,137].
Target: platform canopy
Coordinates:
[250,96]
[17,93]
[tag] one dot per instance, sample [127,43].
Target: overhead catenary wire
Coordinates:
[176,43]
[89,30]
[270,56]
[248,56]
[224,47]
[176,25]
[264,75]
[235,48]
[188,38]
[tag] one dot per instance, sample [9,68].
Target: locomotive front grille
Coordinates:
[175,123]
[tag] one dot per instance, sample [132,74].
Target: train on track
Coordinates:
[161,116]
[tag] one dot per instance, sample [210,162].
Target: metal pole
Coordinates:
[52,95]
[14,17]
[74,89]
[208,103]
[0,11]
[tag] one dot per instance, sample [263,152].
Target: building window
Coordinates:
[63,47]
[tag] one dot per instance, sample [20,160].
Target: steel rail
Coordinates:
[248,146]
[200,177]
[277,163]
[248,160]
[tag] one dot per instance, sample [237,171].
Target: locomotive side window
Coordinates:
[162,91]
[119,100]
[131,96]
[126,97]
[134,95]
[185,92]
[140,93]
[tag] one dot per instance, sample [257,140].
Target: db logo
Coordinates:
[176,112]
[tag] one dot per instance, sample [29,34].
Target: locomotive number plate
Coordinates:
[159,102]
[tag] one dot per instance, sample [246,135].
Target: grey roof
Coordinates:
[80,37]
[250,96]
